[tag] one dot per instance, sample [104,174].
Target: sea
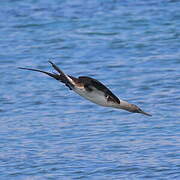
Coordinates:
[47,132]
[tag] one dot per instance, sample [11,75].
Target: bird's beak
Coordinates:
[142,112]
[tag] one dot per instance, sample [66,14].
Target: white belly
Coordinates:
[95,96]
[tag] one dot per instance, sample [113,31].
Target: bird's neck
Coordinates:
[124,105]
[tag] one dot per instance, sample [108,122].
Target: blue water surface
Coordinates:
[48,131]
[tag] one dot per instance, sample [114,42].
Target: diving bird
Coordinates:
[91,89]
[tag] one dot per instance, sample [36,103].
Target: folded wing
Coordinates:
[90,83]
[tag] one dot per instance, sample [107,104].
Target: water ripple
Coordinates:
[47,131]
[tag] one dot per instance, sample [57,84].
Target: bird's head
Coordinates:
[135,109]
[130,107]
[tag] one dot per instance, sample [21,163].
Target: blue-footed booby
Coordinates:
[91,89]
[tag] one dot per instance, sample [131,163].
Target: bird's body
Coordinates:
[95,96]
[92,90]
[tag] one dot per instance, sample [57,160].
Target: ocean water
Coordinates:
[48,131]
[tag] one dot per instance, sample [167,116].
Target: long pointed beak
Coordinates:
[142,112]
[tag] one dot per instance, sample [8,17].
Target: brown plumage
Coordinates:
[91,89]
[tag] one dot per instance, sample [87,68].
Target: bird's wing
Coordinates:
[67,79]
[61,76]
[54,75]
[90,83]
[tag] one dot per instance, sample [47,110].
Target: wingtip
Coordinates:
[22,68]
[51,62]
